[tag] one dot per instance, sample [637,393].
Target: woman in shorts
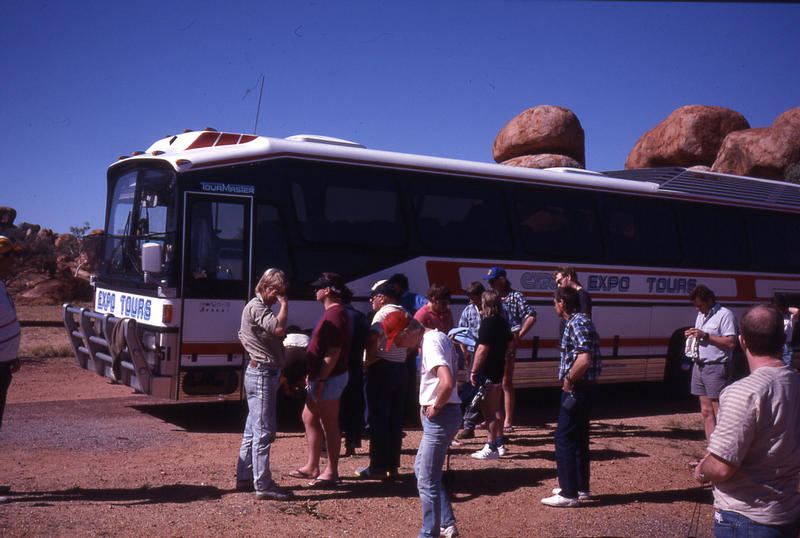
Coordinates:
[494,335]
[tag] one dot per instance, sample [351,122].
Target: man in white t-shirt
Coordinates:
[753,456]
[440,414]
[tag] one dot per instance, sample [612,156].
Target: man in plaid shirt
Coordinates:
[579,369]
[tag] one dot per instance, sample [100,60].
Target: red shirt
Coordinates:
[332,331]
[432,320]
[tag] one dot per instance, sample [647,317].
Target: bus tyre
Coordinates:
[678,368]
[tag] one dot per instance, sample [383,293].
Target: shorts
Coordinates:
[331,389]
[710,379]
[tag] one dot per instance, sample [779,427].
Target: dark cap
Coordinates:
[330,280]
[383,287]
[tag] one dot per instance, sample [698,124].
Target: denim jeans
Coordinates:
[572,444]
[437,433]
[731,524]
[261,387]
[386,392]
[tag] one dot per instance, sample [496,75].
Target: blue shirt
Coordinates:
[580,337]
[471,319]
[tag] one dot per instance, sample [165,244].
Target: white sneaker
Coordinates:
[486,453]
[582,495]
[448,532]
[560,502]
[502,450]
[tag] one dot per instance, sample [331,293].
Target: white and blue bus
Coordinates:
[192,222]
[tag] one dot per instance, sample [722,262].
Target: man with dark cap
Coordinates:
[387,381]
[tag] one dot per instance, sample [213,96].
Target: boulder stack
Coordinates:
[762,152]
[690,136]
[541,137]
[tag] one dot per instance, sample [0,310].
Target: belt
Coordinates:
[263,365]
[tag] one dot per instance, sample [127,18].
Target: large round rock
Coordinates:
[541,129]
[690,136]
[764,152]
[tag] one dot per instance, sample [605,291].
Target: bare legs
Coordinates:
[321,420]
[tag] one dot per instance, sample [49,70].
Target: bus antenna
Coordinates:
[260,92]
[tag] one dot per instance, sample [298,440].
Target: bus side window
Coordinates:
[640,231]
[562,224]
[456,215]
[270,246]
[775,241]
[713,237]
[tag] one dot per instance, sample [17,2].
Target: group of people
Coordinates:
[408,330]
[752,424]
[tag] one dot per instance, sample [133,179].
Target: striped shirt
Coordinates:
[758,431]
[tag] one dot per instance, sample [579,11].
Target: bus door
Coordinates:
[216,284]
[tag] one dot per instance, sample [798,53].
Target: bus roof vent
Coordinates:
[715,185]
[319,139]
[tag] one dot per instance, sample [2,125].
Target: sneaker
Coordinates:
[448,532]
[502,450]
[560,502]
[274,493]
[582,495]
[486,453]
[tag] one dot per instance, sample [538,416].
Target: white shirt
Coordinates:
[9,327]
[437,350]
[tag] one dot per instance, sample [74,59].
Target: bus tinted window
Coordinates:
[558,224]
[775,241]
[713,237]
[270,248]
[456,215]
[640,231]
[343,204]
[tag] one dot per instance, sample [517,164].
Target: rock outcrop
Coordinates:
[544,129]
[543,160]
[690,136]
[762,152]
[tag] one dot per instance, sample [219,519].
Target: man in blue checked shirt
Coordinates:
[579,369]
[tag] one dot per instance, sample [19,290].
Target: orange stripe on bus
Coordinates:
[206,348]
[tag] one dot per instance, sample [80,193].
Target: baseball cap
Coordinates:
[7,245]
[329,280]
[495,272]
[383,287]
[392,325]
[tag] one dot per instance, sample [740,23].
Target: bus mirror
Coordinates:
[151,258]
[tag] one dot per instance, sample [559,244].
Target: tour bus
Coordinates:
[193,222]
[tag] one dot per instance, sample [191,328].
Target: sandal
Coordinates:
[297,473]
[325,483]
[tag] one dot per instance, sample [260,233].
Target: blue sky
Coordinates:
[85,82]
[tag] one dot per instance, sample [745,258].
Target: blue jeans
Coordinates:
[437,433]
[386,396]
[731,524]
[572,444]
[261,387]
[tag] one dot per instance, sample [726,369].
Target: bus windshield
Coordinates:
[142,210]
